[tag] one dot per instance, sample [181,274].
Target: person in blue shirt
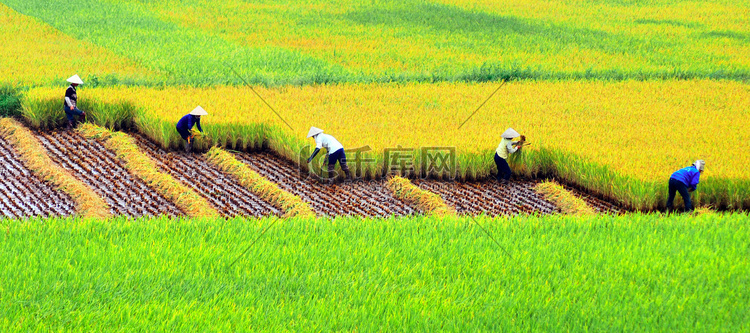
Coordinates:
[187,122]
[685,181]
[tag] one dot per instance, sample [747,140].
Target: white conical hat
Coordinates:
[314,131]
[75,79]
[700,164]
[198,111]
[510,134]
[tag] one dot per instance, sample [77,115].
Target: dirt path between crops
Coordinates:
[362,198]
[493,198]
[222,190]
[490,197]
[22,194]
[91,162]
[100,169]
[372,198]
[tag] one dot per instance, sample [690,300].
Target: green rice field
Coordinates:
[627,273]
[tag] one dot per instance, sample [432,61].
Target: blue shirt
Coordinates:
[688,176]
[186,122]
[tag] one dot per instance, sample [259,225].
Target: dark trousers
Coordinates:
[678,186]
[340,157]
[503,169]
[184,133]
[70,114]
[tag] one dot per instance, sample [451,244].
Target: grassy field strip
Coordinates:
[34,157]
[600,273]
[127,30]
[292,205]
[568,203]
[342,41]
[39,54]
[144,168]
[427,202]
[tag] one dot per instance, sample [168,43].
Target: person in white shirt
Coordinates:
[334,149]
[506,147]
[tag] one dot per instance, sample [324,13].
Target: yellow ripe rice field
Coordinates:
[421,37]
[290,42]
[38,54]
[639,130]
[612,96]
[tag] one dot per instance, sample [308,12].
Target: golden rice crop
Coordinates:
[36,53]
[451,37]
[622,138]
[292,205]
[568,203]
[292,42]
[426,201]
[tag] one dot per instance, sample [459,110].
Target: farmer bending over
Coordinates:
[186,124]
[684,181]
[334,149]
[71,101]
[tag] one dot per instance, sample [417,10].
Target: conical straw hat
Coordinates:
[510,134]
[314,131]
[75,79]
[700,164]
[198,111]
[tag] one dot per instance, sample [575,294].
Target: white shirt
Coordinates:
[505,147]
[71,103]
[328,142]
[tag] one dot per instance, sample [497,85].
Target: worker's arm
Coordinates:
[511,148]
[198,124]
[694,180]
[313,155]
[69,102]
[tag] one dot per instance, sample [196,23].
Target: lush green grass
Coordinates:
[289,42]
[10,102]
[628,273]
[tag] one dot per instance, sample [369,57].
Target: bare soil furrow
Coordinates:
[22,194]
[100,169]
[222,191]
[491,197]
[362,198]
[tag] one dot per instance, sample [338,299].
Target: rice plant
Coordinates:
[625,273]
[619,139]
[342,41]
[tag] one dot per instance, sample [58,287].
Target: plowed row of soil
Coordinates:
[100,169]
[490,197]
[516,197]
[222,191]
[24,195]
[362,198]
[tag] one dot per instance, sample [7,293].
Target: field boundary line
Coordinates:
[292,205]
[34,157]
[145,168]
[428,202]
[568,203]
